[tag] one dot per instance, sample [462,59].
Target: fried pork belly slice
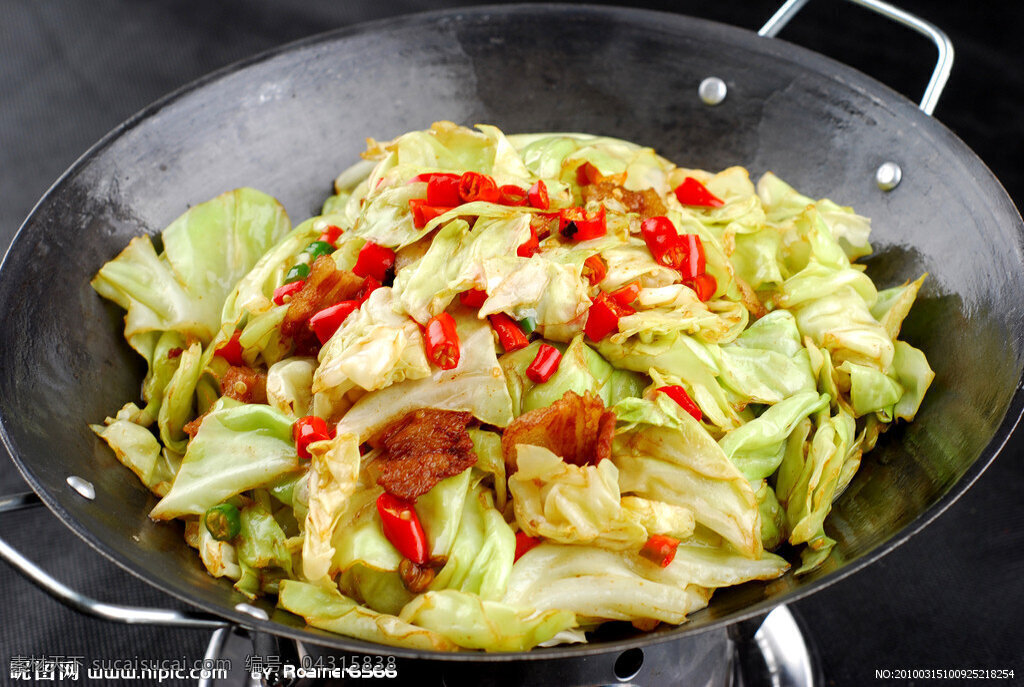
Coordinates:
[325,286]
[423,448]
[244,384]
[577,428]
[647,203]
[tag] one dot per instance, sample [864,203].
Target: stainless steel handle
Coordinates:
[84,604]
[944,60]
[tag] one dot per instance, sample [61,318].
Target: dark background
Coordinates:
[951,597]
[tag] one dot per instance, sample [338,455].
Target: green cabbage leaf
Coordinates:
[237,448]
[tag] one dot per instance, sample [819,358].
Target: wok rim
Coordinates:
[668,22]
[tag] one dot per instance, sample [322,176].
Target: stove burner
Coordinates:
[773,652]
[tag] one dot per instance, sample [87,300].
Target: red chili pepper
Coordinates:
[307,430]
[473,298]
[692,192]
[538,195]
[512,195]
[475,186]
[545,364]
[704,285]
[510,335]
[579,225]
[587,174]
[663,241]
[594,269]
[524,543]
[603,316]
[283,293]
[402,527]
[325,322]
[374,261]
[443,190]
[331,234]
[660,549]
[442,341]
[231,350]
[530,246]
[423,213]
[427,176]
[694,264]
[679,395]
[369,286]
[626,294]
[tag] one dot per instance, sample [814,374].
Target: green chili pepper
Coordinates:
[297,272]
[223,521]
[528,325]
[318,248]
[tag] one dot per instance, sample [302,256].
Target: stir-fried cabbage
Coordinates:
[533,384]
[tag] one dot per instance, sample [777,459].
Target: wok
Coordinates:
[286,122]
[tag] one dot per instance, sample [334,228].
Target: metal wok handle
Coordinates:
[944,60]
[83,604]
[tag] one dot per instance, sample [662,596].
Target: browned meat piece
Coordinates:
[325,286]
[192,428]
[417,578]
[577,428]
[244,384]
[646,203]
[594,186]
[423,448]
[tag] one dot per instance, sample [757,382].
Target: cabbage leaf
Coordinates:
[475,623]
[238,447]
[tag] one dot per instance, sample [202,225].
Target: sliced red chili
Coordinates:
[474,186]
[595,269]
[694,263]
[374,261]
[663,241]
[529,247]
[427,176]
[327,321]
[422,212]
[473,298]
[538,195]
[510,336]
[307,430]
[692,192]
[524,543]
[679,395]
[704,285]
[587,174]
[402,527]
[231,350]
[331,234]
[512,195]
[603,316]
[545,364]
[442,341]
[626,294]
[579,225]
[443,190]
[660,549]
[284,293]
[370,285]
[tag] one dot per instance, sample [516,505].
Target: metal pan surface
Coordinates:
[288,121]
